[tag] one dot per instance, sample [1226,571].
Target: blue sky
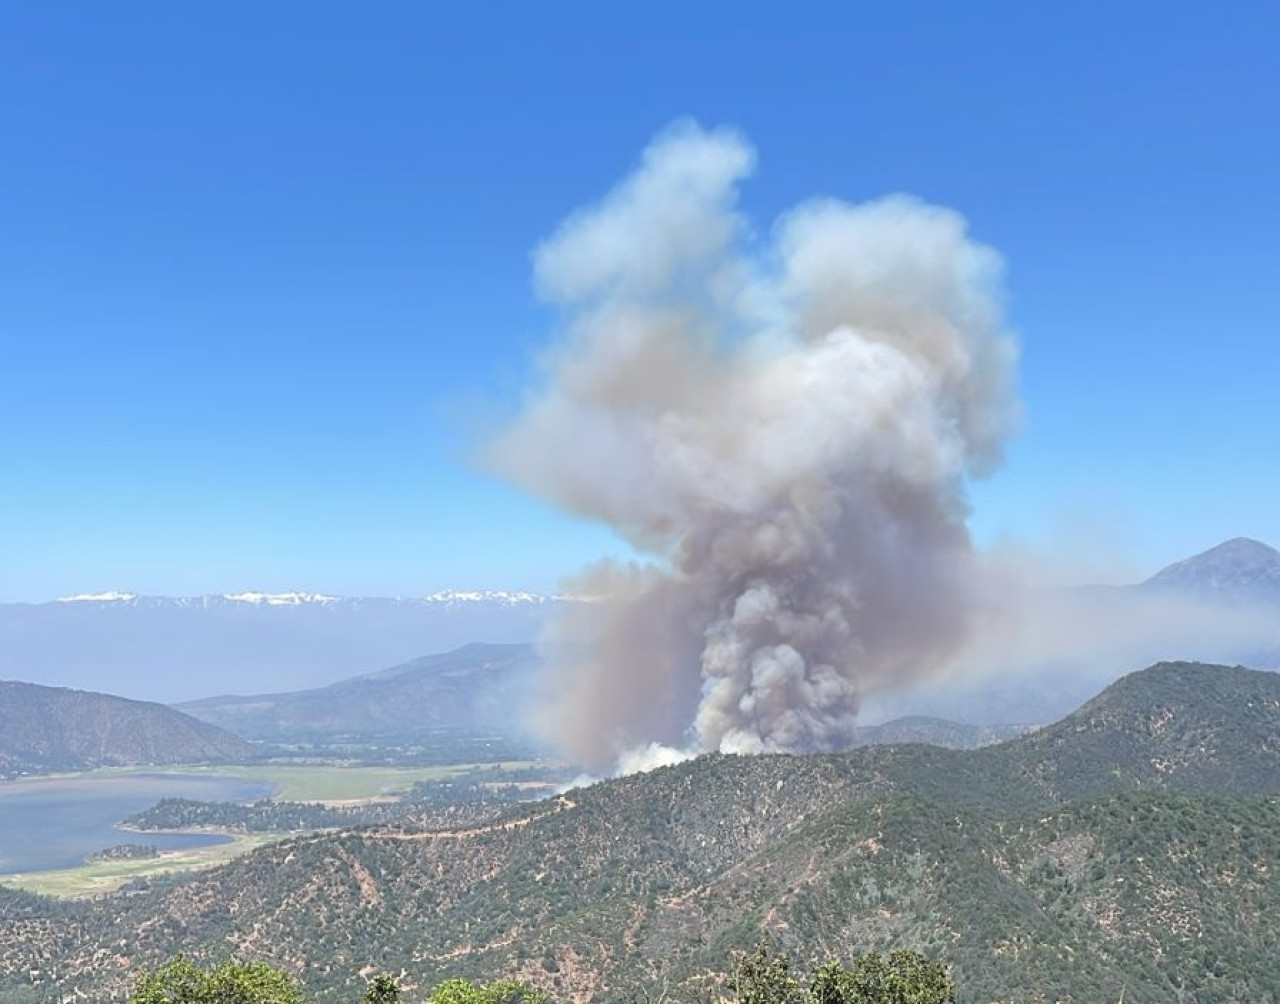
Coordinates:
[265,269]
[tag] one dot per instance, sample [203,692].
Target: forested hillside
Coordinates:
[53,728]
[1132,848]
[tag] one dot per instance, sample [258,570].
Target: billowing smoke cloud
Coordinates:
[784,425]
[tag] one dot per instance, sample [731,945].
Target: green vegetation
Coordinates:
[482,788]
[499,992]
[265,816]
[382,989]
[124,852]
[44,729]
[1131,849]
[762,977]
[434,797]
[183,982]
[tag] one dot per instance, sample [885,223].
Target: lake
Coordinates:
[53,822]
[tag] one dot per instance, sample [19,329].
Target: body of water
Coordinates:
[48,823]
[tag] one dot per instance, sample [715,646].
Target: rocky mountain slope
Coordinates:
[1130,850]
[51,728]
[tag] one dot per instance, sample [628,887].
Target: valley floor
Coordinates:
[331,785]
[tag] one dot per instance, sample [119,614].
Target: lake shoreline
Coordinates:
[55,823]
[105,877]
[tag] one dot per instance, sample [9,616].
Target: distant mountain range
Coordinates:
[445,600]
[183,648]
[1127,852]
[45,729]
[476,687]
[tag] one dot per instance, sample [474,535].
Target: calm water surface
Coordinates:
[48,823]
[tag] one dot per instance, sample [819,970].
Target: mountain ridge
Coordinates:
[478,687]
[474,687]
[45,729]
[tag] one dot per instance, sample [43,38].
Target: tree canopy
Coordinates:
[759,977]
[499,992]
[764,977]
[382,989]
[183,982]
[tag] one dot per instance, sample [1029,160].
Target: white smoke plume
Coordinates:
[784,425]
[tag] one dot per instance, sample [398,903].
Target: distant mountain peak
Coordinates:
[1240,567]
[1243,549]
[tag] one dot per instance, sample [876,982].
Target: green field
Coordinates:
[323,782]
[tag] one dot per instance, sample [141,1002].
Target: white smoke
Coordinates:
[785,426]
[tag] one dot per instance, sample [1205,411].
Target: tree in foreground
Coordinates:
[764,977]
[183,982]
[500,992]
[761,977]
[899,978]
[382,989]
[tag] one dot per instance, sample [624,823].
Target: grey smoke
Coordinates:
[784,425]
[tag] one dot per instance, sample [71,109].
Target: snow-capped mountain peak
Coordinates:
[496,596]
[447,598]
[108,597]
[293,599]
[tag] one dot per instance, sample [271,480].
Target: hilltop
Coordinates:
[1131,847]
[53,728]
